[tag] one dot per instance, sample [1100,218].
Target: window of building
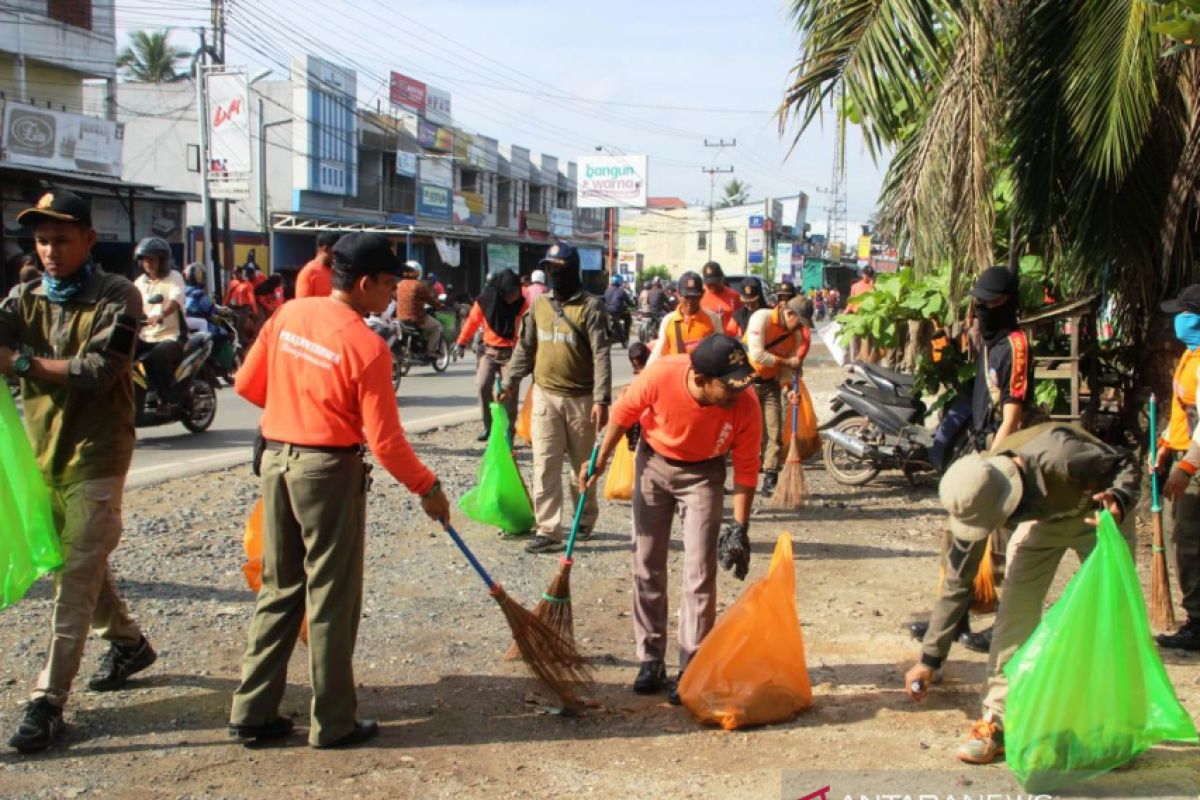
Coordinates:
[77,13]
[469,180]
[731,241]
[702,240]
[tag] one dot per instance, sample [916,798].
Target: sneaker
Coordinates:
[651,678]
[275,729]
[119,663]
[585,533]
[544,544]
[673,695]
[364,731]
[517,535]
[1186,638]
[483,437]
[42,726]
[983,743]
[770,481]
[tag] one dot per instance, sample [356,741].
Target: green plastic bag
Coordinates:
[499,497]
[1088,691]
[29,545]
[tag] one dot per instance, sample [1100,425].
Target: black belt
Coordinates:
[332,450]
[675,462]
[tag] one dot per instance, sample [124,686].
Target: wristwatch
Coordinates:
[22,365]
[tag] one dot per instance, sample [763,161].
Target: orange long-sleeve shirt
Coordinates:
[315,280]
[678,427]
[476,319]
[324,379]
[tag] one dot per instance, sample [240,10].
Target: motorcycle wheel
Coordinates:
[403,359]
[442,360]
[845,468]
[397,374]
[201,406]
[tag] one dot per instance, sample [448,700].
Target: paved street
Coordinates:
[427,400]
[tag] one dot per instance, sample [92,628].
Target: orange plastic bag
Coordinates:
[750,670]
[525,421]
[619,483]
[806,416]
[252,543]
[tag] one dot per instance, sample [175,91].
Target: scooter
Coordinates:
[878,423]
[195,383]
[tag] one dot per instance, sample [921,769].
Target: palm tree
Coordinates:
[736,193]
[151,58]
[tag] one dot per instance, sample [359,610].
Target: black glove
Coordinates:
[260,444]
[733,549]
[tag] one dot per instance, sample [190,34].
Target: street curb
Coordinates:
[153,475]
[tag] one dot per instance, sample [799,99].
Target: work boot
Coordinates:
[364,731]
[919,629]
[1186,638]
[119,663]
[651,678]
[976,642]
[673,694]
[42,726]
[275,729]
[984,742]
[770,481]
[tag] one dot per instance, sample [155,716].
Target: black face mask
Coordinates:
[996,323]
[565,281]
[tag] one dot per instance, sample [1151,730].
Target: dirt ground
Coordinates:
[459,722]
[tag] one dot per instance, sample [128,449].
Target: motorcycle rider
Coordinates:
[617,303]
[537,286]
[412,295]
[160,341]
[199,310]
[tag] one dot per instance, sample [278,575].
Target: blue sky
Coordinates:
[550,75]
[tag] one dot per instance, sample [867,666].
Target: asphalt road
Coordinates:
[427,400]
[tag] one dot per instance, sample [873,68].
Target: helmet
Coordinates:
[538,276]
[414,266]
[616,280]
[154,247]
[194,273]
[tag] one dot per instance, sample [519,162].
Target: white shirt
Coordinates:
[171,288]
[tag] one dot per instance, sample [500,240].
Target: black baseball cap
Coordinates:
[723,357]
[751,289]
[366,254]
[803,308]
[712,273]
[328,238]
[690,285]
[994,283]
[58,205]
[1188,300]
[785,289]
[560,253]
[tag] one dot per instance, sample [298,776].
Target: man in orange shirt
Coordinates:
[324,382]
[860,346]
[316,278]
[777,340]
[412,295]
[687,325]
[693,411]
[719,298]
[498,311]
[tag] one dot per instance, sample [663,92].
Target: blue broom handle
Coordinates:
[466,551]
[1155,500]
[583,498]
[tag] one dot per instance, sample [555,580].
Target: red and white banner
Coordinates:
[407,93]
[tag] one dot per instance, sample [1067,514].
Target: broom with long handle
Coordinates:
[550,656]
[554,608]
[1162,611]
[792,490]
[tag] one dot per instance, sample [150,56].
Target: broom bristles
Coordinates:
[792,489]
[1162,610]
[550,657]
[983,590]
[554,609]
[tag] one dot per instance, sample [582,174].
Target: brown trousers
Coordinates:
[697,492]
[561,426]
[491,362]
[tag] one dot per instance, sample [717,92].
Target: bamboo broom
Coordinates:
[554,609]
[792,490]
[550,656]
[1162,610]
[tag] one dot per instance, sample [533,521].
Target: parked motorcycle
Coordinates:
[878,423]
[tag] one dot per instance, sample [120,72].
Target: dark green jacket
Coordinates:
[562,362]
[82,429]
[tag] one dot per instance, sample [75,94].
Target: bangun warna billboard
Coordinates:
[611,181]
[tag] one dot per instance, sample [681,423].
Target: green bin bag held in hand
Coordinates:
[499,497]
[1088,691]
[29,545]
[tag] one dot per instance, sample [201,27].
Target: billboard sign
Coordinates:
[407,93]
[437,106]
[562,222]
[756,240]
[627,238]
[435,137]
[230,159]
[406,164]
[503,256]
[433,202]
[611,181]
[437,172]
[40,137]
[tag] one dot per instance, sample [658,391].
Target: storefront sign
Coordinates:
[406,164]
[407,93]
[40,137]
[433,202]
[434,137]
[502,256]
[562,222]
[469,209]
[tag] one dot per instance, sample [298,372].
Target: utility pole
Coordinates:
[836,191]
[205,200]
[218,25]
[712,173]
